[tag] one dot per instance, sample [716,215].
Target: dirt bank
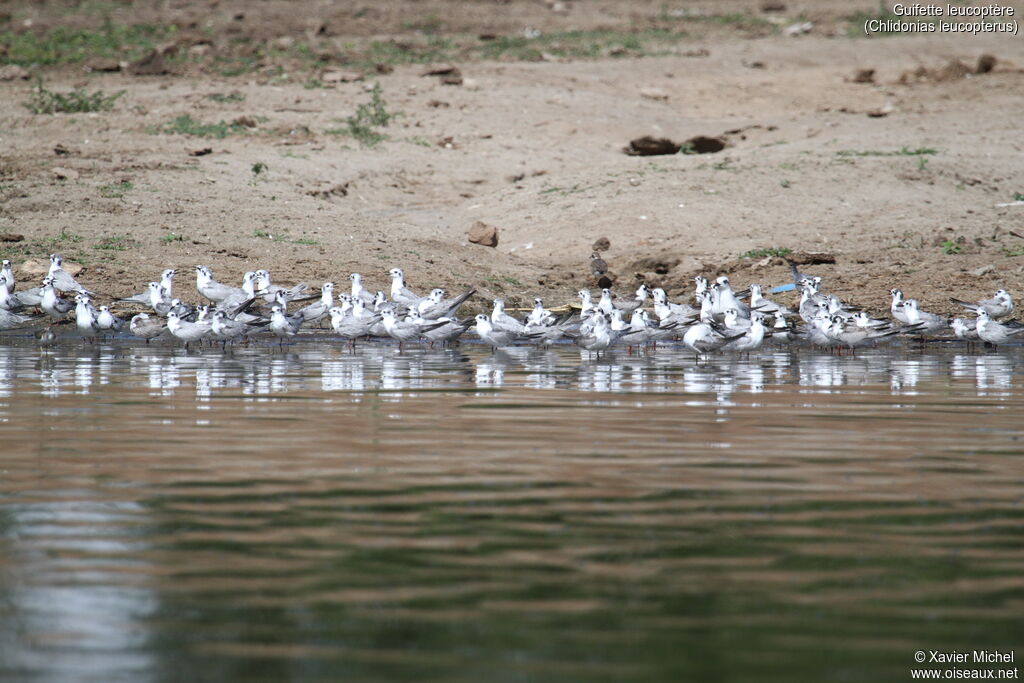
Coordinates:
[908,178]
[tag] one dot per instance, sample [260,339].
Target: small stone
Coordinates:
[798,29]
[245,121]
[441,70]
[985,64]
[602,244]
[151,65]
[105,65]
[13,72]
[650,146]
[451,79]
[773,6]
[341,77]
[654,94]
[863,76]
[201,152]
[33,268]
[11,237]
[984,270]
[61,173]
[483,234]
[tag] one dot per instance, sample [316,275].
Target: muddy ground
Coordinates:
[910,177]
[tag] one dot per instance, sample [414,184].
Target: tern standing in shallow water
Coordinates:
[283,325]
[404,330]
[186,331]
[146,327]
[993,332]
[495,337]
[85,317]
[105,320]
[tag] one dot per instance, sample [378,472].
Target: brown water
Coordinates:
[455,515]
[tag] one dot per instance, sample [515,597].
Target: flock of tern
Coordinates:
[718,319]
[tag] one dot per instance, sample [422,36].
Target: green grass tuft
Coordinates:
[186,125]
[116,190]
[79,100]
[368,118]
[115,243]
[767,251]
[225,99]
[949,247]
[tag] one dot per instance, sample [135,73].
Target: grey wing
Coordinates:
[66,283]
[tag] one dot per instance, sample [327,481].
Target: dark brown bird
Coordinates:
[597,265]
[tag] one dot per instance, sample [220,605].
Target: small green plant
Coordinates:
[308,241]
[257,169]
[171,237]
[417,140]
[225,99]
[45,101]
[921,163]
[1019,251]
[114,243]
[784,183]
[767,251]
[949,247]
[1018,196]
[368,117]
[262,234]
[116,190]
[186,125]
[503,279]
[63,237]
